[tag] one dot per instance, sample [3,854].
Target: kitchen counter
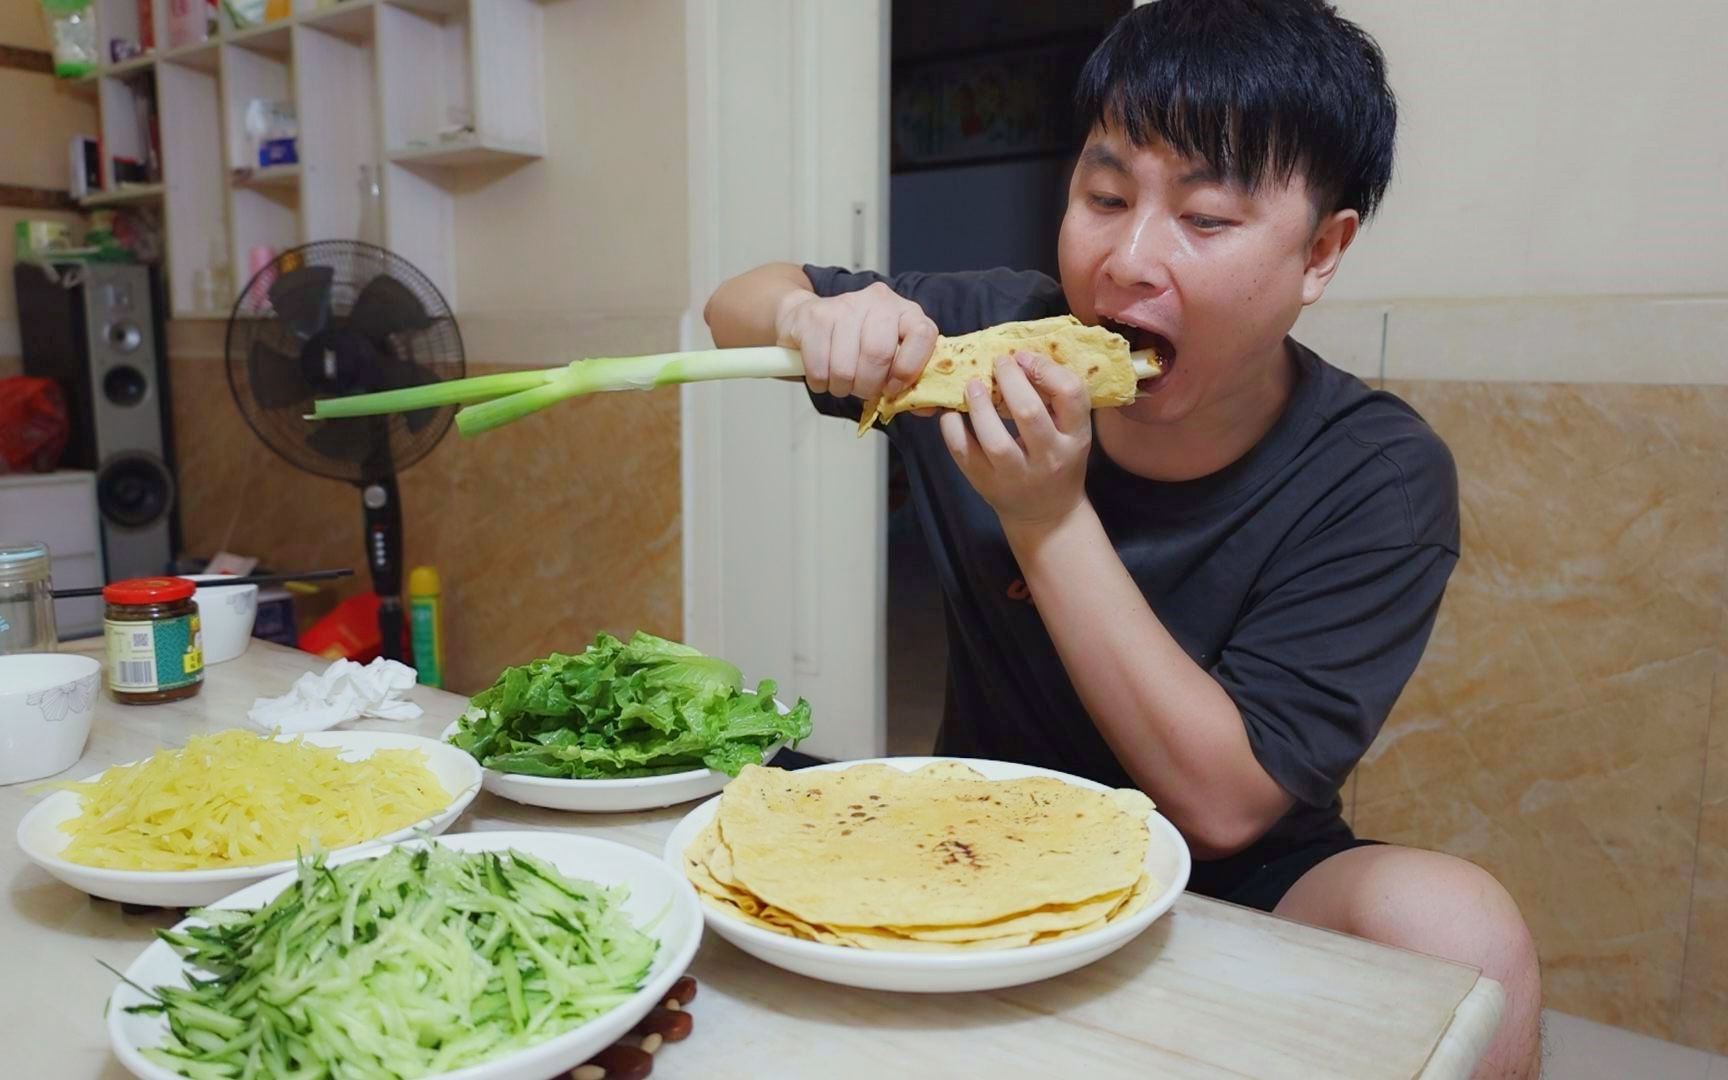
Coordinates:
[1211,990]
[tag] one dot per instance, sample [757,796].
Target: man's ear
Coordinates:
[1326,249]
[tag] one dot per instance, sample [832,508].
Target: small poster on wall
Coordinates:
[1000,105]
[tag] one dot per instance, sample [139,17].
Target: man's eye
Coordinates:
[1106,202]
[1207,224]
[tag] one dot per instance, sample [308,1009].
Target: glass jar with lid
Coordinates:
[26,600]
[155,640]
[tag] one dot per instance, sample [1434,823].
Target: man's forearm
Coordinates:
[745,310]
[1175,730]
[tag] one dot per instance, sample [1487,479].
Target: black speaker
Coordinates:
[97,330]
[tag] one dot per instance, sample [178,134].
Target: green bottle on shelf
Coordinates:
[426,624]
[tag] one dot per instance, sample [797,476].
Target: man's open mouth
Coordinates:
[1140,338]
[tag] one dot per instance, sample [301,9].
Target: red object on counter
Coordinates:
[34,425]
[348,632]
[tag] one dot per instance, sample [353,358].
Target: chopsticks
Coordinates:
[253,579]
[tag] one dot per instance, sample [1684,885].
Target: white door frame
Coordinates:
[784,512]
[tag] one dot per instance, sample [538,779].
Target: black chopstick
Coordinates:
[254,579]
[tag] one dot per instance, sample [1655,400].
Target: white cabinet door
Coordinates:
[784,515]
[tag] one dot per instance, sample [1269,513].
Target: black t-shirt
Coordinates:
[1305,577]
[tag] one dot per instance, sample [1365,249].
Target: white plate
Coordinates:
[661,902]
[1167,860]
[619,796]
[42,839]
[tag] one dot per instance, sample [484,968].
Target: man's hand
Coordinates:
[862,344]
[1039,476]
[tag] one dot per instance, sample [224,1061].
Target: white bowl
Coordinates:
[46,703]
[225,616]
[1167,860]
[620,796]
[42,839]
[661,902]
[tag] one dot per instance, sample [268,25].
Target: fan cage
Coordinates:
[359,449]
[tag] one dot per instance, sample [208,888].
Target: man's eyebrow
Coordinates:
[1100,157]
[1205,174]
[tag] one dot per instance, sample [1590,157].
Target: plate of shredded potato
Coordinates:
[189,825]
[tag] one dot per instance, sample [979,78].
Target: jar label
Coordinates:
[148,656]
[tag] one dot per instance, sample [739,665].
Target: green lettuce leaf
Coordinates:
[646,707]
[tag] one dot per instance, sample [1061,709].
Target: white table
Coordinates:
[1210,991]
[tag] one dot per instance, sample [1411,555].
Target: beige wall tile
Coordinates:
[1704,989]
[1554,731]
[544,532]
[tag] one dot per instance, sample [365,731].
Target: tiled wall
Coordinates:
[1568,728]
[544,531]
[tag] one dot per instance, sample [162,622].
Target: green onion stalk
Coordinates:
[491,401]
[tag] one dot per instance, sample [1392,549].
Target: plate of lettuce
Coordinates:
[622,726]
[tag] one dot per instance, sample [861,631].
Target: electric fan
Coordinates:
[339,317]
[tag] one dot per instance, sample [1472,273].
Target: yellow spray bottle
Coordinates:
[426,624]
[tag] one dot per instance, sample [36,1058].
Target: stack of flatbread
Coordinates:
[935,860]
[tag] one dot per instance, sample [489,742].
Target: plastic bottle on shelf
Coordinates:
[188,22]
[425,624]
[370,228]
[221,274]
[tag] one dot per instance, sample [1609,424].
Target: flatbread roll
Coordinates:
[1097,355]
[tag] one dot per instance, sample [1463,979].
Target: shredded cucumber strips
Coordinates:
[414,963]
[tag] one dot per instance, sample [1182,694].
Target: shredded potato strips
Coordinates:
[239,799]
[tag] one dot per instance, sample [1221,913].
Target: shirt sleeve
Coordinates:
[958,303]
[1329,641]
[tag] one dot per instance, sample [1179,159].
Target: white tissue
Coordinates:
[345,691]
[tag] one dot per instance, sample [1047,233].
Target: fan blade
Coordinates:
[401,374]
[302,298]
[274,377]
[386,306]
[344,440]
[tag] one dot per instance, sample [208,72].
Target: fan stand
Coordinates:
[339,317]
[383,508]
[381,503]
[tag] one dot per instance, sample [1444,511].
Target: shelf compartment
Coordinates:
[249,74]
[336,87]
[126,106]
[195,205]
[263,217]
[351,20]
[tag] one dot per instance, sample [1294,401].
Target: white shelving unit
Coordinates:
[416,90]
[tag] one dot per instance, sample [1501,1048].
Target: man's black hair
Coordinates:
[1258,89]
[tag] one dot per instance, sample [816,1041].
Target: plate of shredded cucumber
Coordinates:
[483,956]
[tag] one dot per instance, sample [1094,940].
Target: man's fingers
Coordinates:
[958,438]
[992,435]
[843,352]
[814,347]
[1031,415]
[879,337]
[917,339]
[1063,389]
